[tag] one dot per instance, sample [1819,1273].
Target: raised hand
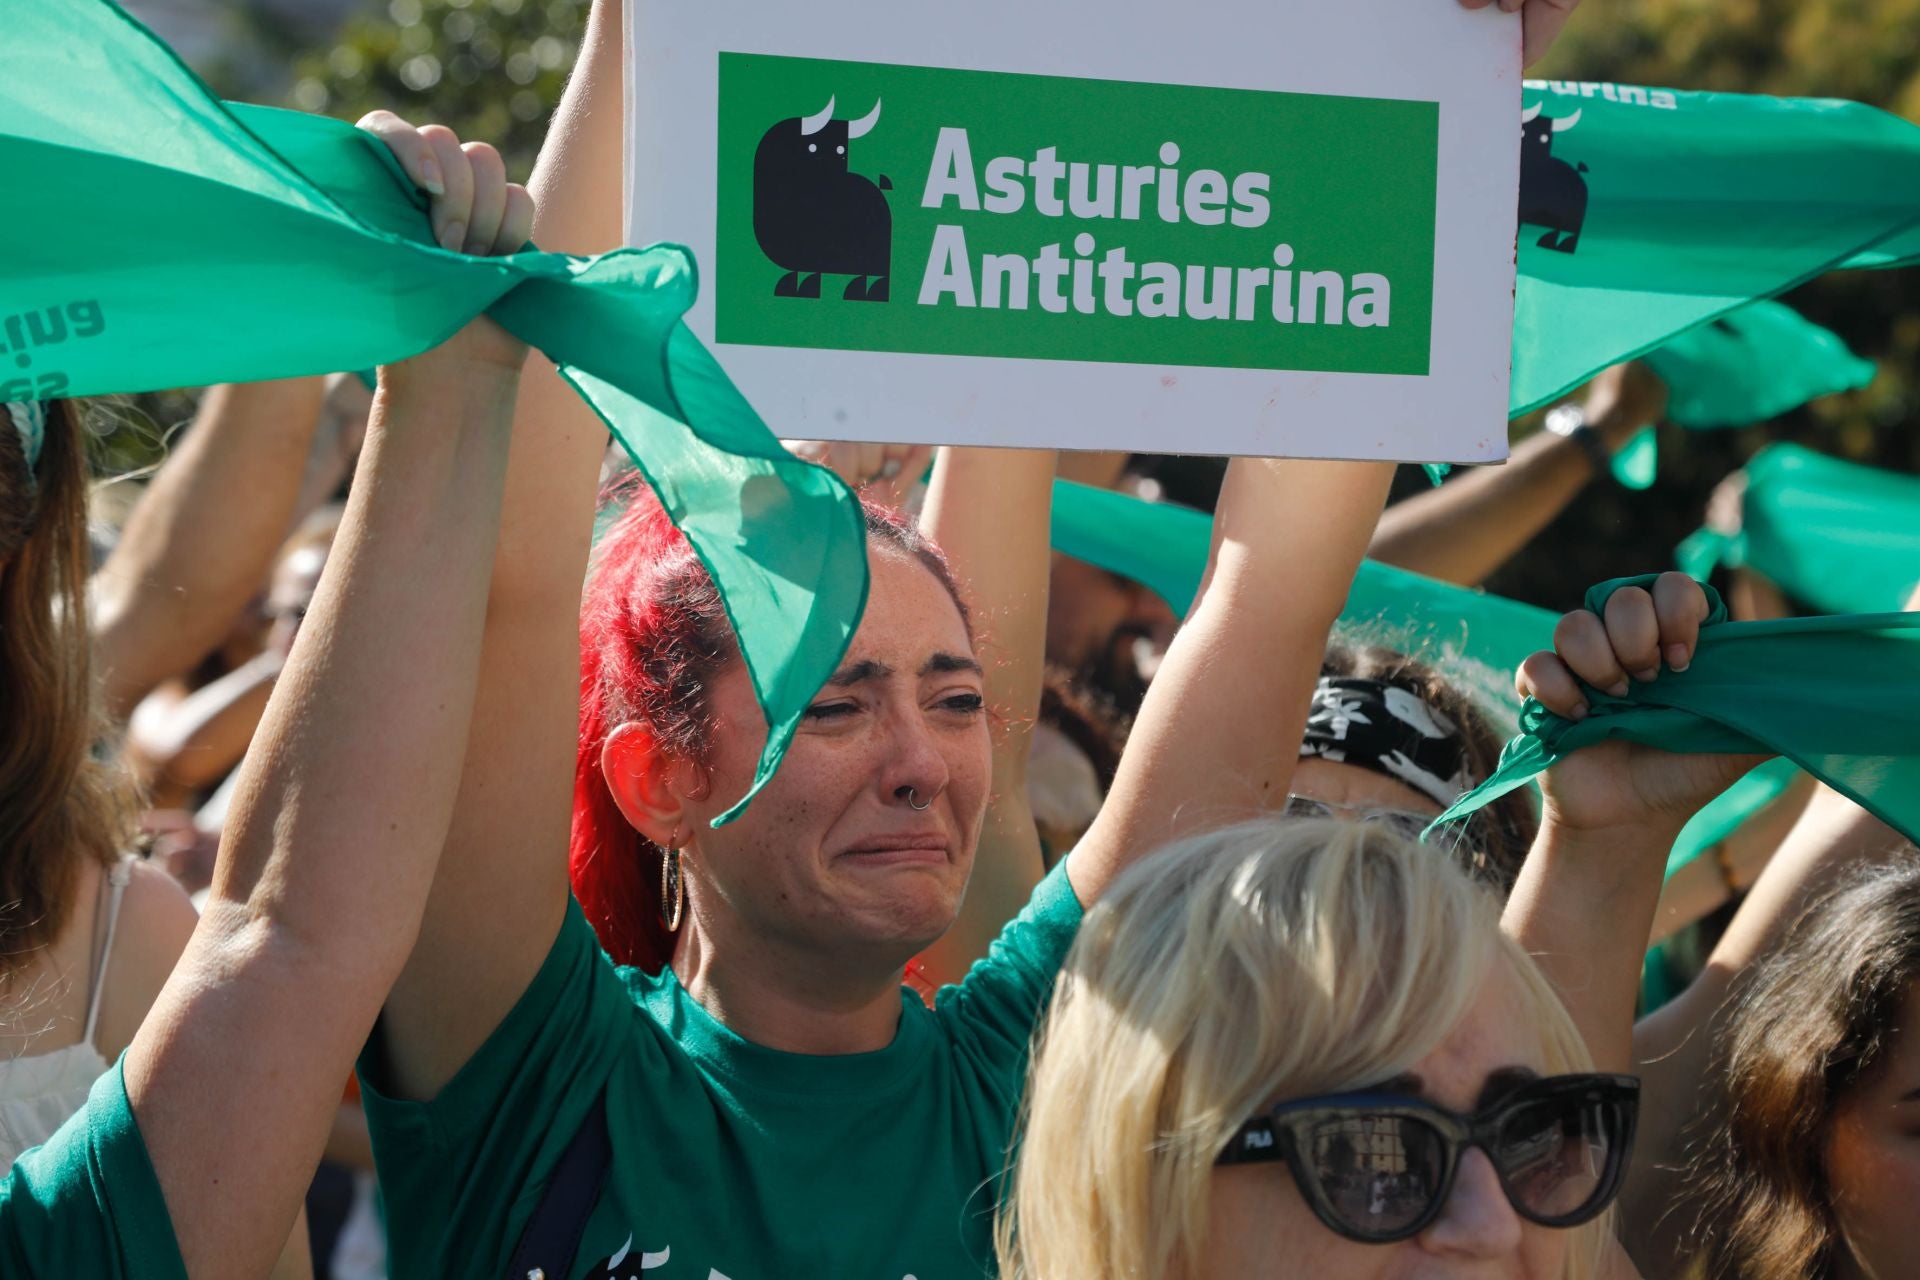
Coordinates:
[886,473]
[474,209]
[1618,784]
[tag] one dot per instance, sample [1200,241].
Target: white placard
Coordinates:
[1228,226]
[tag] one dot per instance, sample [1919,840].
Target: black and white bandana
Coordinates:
[1390,730]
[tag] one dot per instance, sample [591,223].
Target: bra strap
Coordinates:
[112,891]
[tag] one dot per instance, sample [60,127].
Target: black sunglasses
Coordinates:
[1378,1167]
[1402,821]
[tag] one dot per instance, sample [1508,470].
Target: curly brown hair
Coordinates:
[59,804]
[1805,1027]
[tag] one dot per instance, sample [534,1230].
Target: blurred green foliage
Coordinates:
[490,69]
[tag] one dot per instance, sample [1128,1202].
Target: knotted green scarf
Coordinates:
[157,237]
[1840,696]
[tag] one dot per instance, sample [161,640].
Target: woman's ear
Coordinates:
[649,788]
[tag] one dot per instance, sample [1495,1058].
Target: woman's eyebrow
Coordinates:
[942,664]
[1503,1081]
[856,672]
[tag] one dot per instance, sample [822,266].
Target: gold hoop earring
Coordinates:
[673,887]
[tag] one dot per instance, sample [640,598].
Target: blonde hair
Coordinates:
[1277,958]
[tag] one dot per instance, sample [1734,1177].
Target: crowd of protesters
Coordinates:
[363,910]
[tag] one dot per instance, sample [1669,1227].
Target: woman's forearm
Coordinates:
[1218,736]
[340,813]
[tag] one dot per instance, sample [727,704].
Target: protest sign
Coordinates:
[1262,229]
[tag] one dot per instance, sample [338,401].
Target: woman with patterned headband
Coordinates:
[1392,738]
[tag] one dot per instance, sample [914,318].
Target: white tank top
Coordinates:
[39,1091]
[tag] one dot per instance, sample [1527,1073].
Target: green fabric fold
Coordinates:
[1839,696]
[1837,536]
[1756,363]
[160,238]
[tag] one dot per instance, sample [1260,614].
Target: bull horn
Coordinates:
[1526,117]
[1567,122]
[815,123]
[858,128]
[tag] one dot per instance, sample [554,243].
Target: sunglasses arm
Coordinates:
[1257,1141]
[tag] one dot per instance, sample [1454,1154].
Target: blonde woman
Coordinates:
[1304,1048]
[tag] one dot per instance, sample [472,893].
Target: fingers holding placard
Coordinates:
[1543,19]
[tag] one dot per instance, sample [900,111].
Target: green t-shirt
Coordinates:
[86,1202]
[730,1161]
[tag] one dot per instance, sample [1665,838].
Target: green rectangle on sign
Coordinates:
[870,207]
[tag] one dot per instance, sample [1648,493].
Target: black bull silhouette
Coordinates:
[1552,192]
[812,217]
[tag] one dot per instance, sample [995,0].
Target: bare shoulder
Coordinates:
[156,919]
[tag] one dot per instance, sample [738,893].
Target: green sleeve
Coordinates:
[460,1174]
[991,1014]
[87,1202]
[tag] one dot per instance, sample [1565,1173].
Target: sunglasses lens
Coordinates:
[1379,1173]
[1557,1156]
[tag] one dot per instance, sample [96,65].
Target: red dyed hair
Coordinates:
[653,636]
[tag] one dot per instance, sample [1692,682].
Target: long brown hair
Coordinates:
[59,805]
[1806,1026]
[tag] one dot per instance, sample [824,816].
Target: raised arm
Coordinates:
[1473,524]
[1219,732]
[989,510]
[497,905]
[1585,900]
[342,806]
[204,535]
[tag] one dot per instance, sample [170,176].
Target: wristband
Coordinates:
[1569,421]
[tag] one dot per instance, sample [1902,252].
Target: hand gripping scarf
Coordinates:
[1840,696]
[157,237]
[1478,639]
[1837,536]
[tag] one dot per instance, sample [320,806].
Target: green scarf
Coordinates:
[1694,210]
[1839,696]
[1837,536]
[159,238]
[1749,365]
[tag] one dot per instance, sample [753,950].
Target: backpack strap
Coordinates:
[552,1238]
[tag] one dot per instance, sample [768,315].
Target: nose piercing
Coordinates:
[912,797]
